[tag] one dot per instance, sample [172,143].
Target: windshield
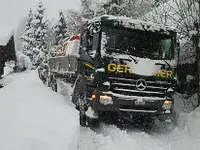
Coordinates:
[138,43]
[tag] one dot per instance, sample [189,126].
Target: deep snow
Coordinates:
[183,134]
[32,116]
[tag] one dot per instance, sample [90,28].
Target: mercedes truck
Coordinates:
[124,68]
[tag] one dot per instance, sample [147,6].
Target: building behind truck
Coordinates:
[123,68]
[7,46]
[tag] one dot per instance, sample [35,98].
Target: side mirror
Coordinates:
[111,42]
[78,58]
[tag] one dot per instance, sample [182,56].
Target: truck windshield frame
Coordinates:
[143,44]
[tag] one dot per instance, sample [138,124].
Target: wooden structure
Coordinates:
[7,47]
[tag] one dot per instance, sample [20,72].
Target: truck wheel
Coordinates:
[48,81]
[80,100]
[77,95]
[85,121]
[148,122]
[54,85]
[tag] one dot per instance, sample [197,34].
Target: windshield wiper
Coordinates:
[125,59]
[135,60]
[164,61]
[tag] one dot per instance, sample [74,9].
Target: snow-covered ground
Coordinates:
[33,117]
[184,134]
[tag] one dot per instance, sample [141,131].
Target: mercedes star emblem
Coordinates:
[141,84]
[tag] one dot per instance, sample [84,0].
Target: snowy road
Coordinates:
[32,116]
[182,135]
[113,138]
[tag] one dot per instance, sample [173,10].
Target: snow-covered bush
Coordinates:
[9,67]
[23,62]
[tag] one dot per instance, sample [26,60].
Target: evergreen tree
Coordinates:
[86,10]
[74,21]
[128,8]
[115,7]
[61,30]
[91,9]
[27,38]
[40,34]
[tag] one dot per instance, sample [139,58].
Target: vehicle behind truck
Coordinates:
[125,68]
[64,66]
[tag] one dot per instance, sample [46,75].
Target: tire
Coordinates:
[110,117]
[48,81]
[79,89]
[85,121]
[54,85]
[148,122]
[79,98]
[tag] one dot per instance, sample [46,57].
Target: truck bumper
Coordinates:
[132,105]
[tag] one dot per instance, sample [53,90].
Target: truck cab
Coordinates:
[126,66]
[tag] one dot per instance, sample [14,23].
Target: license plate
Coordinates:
[139,103]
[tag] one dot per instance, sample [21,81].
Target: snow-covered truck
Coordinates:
[125,68]
[64,66]
[7,46]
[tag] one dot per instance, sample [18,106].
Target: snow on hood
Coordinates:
[143,66]
[5,34]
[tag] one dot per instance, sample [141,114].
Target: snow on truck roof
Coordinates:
[5,34]
[134,23]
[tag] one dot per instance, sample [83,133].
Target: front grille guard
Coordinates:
[126,85]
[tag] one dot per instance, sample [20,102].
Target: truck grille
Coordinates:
[155,87]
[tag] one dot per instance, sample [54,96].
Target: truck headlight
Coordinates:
[105,99]
[167,105]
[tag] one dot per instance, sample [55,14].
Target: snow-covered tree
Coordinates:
[27,38]
[128,8]
[115,7]
[60,30]
[51,39]
[40,49]
[91,8]
[86,9]
[184,15]
[74,21]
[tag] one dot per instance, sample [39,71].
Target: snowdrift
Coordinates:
[32,116]
[186,135]
[23,62]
